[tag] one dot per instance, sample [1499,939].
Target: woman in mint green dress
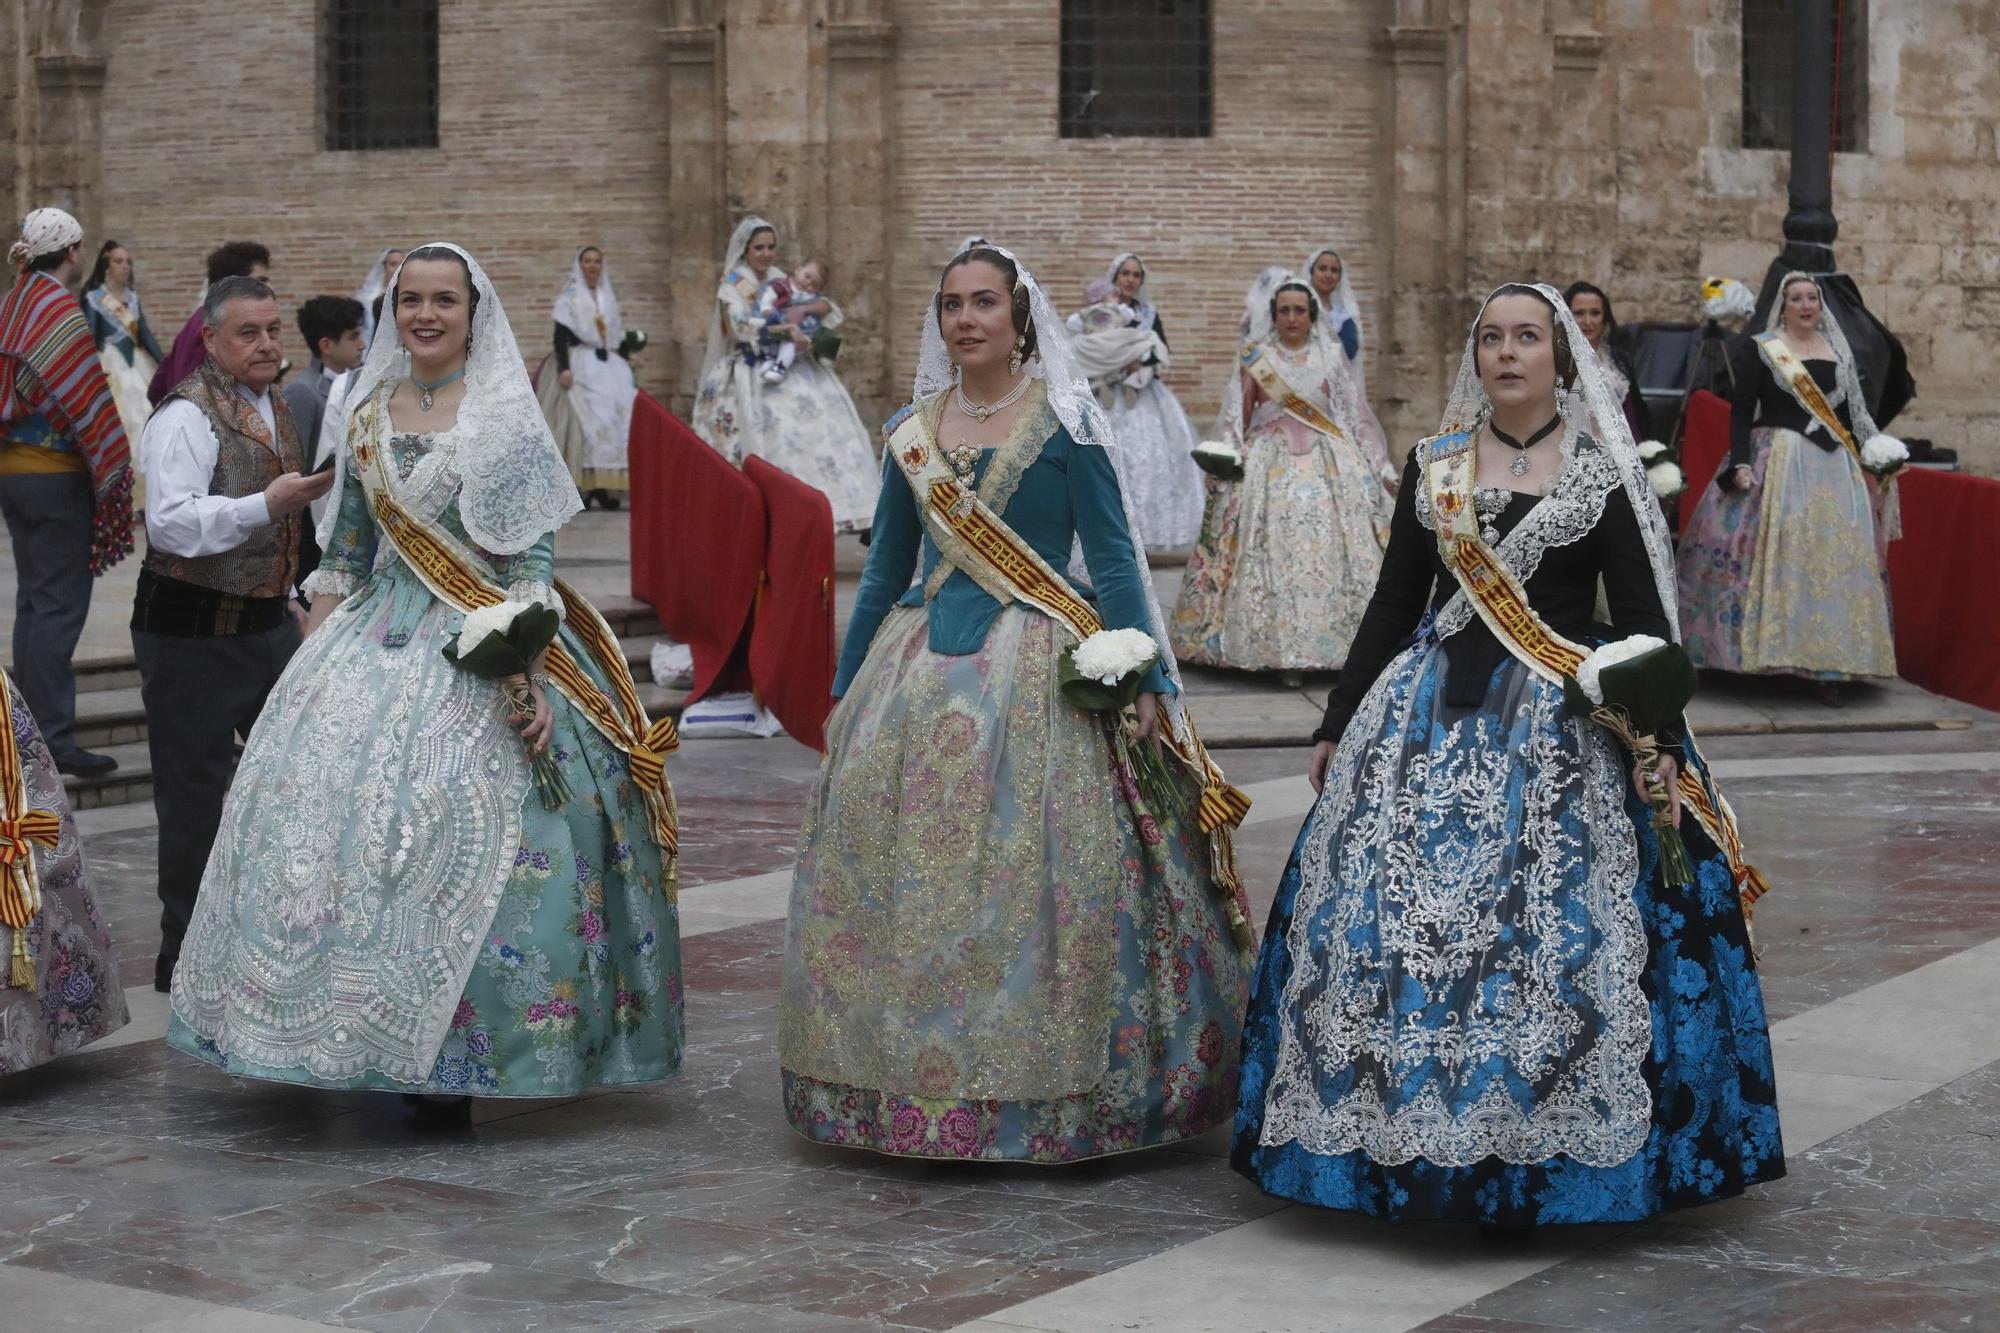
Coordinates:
[390,904]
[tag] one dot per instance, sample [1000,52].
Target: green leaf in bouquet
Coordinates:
[1094,696]
[825,345]
[1574,699]
[493,657]
[533,630]
[1652,689]
[1217,465]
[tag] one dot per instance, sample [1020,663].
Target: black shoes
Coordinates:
[84,764]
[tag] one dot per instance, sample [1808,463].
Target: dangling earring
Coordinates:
[468,342]
[1565,398]
[1014,357]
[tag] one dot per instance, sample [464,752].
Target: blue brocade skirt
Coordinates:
[1407,1038]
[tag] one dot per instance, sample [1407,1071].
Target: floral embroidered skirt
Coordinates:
[390,906]
[1477,1005]
[1288,556]
[1788,576]
[998,948]
[76,997]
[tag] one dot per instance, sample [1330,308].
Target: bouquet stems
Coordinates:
[1675,869]
[1149,769]
[549,782]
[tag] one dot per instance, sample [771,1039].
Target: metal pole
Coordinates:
[1810,227]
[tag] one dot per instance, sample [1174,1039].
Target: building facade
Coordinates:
[1442,145]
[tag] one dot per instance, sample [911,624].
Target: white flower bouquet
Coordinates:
[500,643]
[1636,688]
[1103,674]
[1220,459]
[1884,455]
[1650,450]
[1726,298]
[1667,479]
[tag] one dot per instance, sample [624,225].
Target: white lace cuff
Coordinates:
[542,594]
[324,582]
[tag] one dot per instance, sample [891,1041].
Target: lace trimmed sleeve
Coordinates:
[350,552]
[530,576]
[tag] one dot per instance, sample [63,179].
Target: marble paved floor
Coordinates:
[146,1192]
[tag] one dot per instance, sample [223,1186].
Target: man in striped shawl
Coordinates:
[65,475]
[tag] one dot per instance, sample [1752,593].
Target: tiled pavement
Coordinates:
[142,1191]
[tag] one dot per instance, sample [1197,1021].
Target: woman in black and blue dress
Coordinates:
[1475,1000]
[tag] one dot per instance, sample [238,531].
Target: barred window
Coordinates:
[1136,69]
[1767,74]
[379,69]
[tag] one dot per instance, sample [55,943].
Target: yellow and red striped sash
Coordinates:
[20,829]
[1792,372]
[452,573]
[1502,603]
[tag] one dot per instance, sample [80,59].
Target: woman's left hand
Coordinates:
[540,728]
[1669,770]
[1148,707]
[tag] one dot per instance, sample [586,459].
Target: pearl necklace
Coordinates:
[980,411]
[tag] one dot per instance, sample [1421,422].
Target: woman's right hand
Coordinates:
[567,379]
[1741,477]
[1322,757]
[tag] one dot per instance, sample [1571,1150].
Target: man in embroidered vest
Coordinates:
[65,475]
[213,623]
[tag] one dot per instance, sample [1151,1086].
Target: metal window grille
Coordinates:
[379,68]
[1136,69]
[1767,74]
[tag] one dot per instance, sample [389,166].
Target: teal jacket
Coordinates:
[1069,492]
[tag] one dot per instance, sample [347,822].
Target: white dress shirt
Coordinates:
[177,456]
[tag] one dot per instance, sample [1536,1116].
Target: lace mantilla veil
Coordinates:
[515,486]
[720,341]
[1849,378]
[1469,407]
[1077,408]
[1142,304]
[576,311]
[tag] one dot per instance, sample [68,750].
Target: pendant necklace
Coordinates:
[1519,467]
[424,390]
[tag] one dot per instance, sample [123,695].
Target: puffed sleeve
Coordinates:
[1115,572]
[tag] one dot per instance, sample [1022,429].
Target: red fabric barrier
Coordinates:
[1948,624]
[1704,447]
[698,535]
[791,634]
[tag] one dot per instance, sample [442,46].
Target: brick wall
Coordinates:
[551,117]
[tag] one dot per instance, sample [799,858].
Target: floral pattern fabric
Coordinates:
[998,949]
[1288,553]
[805,424]
[76,998]
[1789,576]
[1457,1022]
[446,932]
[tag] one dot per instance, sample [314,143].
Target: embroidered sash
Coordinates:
[119,311]
[971,537]
[1793,374]
[1496,594]
[1263,368]
[454,575]
[20,885]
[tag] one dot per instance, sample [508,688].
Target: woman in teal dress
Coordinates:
[390,904]
[999,948]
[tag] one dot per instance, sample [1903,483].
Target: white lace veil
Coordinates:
[1591,401]
[515,486]
[377,280]
[1257,301]
[720,341]
[577,312]
[1142,304]
[1848,375]
[1077,408]
[1342,300]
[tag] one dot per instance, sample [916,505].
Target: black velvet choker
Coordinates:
[1531,441]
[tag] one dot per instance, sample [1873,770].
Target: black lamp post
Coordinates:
[1810,226]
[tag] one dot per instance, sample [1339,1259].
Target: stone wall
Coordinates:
[1445,145]
[550,117]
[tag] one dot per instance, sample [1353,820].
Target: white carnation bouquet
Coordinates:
[1884,455]
[1220,459]
[500,643]
[1635,688]
[1103,674]
[1666,478]
[1726,298]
